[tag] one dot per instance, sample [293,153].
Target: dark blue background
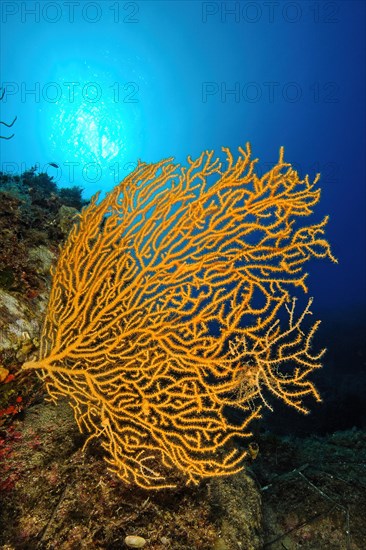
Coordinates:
[297,73]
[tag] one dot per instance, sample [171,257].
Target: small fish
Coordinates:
[54,164]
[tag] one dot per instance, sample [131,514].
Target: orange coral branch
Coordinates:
[129,335]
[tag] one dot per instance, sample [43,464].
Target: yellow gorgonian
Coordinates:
[166,313]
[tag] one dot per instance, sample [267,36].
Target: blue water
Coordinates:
[96,89]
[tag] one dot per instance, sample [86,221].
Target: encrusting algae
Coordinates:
[166,312]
